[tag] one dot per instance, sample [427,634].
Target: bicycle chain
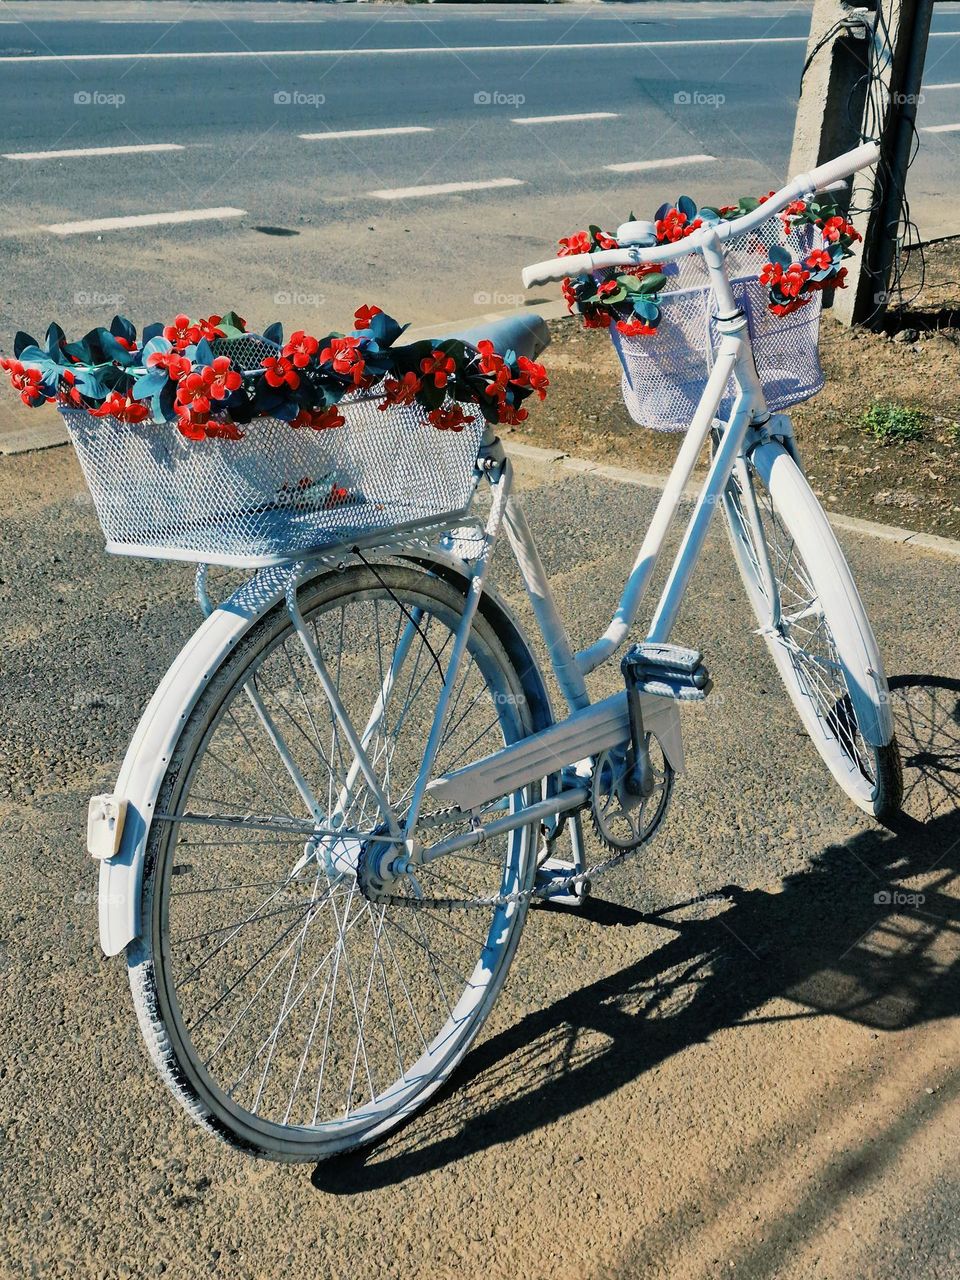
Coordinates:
[505,899]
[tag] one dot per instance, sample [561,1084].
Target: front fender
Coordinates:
[156,736]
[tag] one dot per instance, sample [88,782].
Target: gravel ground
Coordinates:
[764,1085]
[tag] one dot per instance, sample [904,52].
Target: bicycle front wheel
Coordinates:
[814,624]
[291,1014]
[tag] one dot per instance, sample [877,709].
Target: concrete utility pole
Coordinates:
[840,107]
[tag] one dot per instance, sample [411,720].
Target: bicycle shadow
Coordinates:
[843,937]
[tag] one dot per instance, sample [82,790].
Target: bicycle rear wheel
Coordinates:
[289,1013]
[822,642]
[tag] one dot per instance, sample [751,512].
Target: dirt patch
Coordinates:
[915,483]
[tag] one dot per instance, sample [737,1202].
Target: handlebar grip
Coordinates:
[843,166]
[556,268]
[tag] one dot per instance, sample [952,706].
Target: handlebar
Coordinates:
[824,177]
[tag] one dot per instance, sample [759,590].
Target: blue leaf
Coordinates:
[121,327]
[274,333]
[203,353]
[154,346]
[688,207]
[150,384]
[662,212]
[646,309]
[21,342]
[152,331]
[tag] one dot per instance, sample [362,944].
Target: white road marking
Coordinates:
[143,220]
[941,128]
[669,162]
[955,85]
[443,189]
[520,19]
[357,52]
[92,151]
[582,115]
[366,133]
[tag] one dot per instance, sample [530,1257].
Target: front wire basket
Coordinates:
[664,374]
[280,492]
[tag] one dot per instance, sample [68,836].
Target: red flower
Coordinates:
[182,333]
[673,226]
[175,364]
[606,242]
[439,366]
[490,360]
[771,273]
[209,328]
[402,391]
[27,382]
[209,382]
[279,372]
[818,260]
[579,242]
[634,328]
[119,406]
[449,419]
[784,308]
[189,428]
[69,392]
[363,315]
[793,210]
[345,356]
[569,293]
[223,431]
[319,419]
[793,280]
[300,349]
[124,342]
[532,375]
[225,378]
[510,415]
[764,199]
[596,318]
[608,286]
[836,227]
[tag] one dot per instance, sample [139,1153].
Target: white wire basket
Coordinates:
[664,374]
[280,492]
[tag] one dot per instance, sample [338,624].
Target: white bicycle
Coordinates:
[349,787]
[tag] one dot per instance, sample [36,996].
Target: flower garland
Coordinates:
[174,374]
[629,298]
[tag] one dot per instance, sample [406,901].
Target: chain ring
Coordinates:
[618,857]
[621,821]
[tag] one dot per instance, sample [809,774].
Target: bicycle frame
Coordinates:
[602,723]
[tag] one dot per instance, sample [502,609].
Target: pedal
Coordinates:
[666,671]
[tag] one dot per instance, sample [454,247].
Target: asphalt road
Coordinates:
[314,225]
[764,1086]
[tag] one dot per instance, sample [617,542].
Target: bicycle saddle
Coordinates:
[527,335]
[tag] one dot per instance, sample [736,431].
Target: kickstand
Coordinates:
[555,870]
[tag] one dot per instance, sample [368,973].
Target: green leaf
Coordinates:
[630,283]
[652,283]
